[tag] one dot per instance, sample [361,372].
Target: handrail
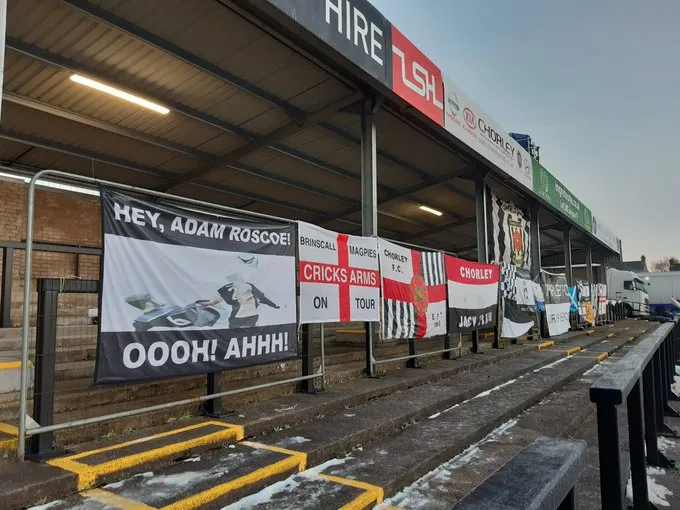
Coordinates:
[650,368]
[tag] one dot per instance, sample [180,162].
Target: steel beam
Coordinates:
[259,143]
[567,257]
[369,200]
[589,261]
[392,158]
[446,226]
[185,56]
[535,234]
[482,240]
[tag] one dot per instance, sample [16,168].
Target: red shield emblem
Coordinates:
[419,296]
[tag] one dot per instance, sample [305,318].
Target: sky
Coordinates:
[596,84]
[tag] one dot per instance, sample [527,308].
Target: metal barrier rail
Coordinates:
[642,379]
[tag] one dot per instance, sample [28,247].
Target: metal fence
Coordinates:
[65,308]
[642,380]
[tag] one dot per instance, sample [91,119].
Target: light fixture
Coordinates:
[102,87]
[430,210]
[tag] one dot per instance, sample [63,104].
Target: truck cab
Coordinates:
[630,288]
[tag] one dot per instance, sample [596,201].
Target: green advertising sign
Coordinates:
[554,192]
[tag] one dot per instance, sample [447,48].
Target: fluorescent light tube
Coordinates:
[102,87]
[430,210]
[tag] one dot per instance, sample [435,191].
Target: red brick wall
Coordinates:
[60,217]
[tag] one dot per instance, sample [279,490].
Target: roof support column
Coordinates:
[568,271]
[589,261]
[3,27]
[535,233]
[482,241]
[369,198]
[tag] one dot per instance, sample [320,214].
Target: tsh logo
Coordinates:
[416,79]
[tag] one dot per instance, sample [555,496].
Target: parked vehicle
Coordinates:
[664,288]
[630,288]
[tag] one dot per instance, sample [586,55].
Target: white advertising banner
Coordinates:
[604,234]
[470,124]
[339,278]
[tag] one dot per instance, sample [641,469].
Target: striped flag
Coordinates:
[511,233]
[519,309]
[473,294]
[414,292]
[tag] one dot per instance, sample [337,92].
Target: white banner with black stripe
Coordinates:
[511,236]
[557,302]
[187,293]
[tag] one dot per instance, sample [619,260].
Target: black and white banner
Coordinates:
[188,293]
[557,302]
[473,294]
[511,234]
[517,294]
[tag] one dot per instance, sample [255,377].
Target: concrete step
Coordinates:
[395,430]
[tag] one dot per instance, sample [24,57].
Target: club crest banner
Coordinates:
[473,294]
[339,276]
[511,234]
[413,291]
[519,308]
[557,302]
[187,293]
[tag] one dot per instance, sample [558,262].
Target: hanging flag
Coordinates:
[573,293]
[539,299]
[473,294]
[557,302]
[585,305]
[339,277]
[511,233]
[519,308]
[413,290]
[602,299]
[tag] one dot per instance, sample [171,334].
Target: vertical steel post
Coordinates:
[589,261]
[369,198]
[651,428]
[447,345]
[213,407]
[6,288]
[45,352]
[307,386]
[636,436]
[568,271]
[482,242]
[611,487]
[658,392]
[412,362]
[535,235]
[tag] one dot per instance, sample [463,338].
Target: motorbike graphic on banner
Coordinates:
[186,293]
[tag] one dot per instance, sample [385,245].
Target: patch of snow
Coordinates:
[350,415]
[290,485]
[435,415]
[496,388]
[419,495]
[664,443]
[192,459]
[118,485]
[675,387]
[677,369]
[289,441]
[657,492]
[46,505]
[553,364]
[232,446]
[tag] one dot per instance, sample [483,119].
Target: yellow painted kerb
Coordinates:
[611,335]
[9,429]
[110,499]
[573,350]
[372,493]
[545,344]
[295,460]
[88,474]
[7,365]
[602,356]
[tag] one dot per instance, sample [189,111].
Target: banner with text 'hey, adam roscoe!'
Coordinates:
[188,293]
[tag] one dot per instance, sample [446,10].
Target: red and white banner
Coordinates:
[416,79]
[473,294]
[339,277]
[602,299]
[414,292]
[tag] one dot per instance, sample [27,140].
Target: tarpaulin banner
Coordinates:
[413,291]
[473,294]
[474,127]
[557,302]
[605,234]
[517,294]
[187,293]
[585,305]
[602,299]
[511,234]
[539,299]
[339,277]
